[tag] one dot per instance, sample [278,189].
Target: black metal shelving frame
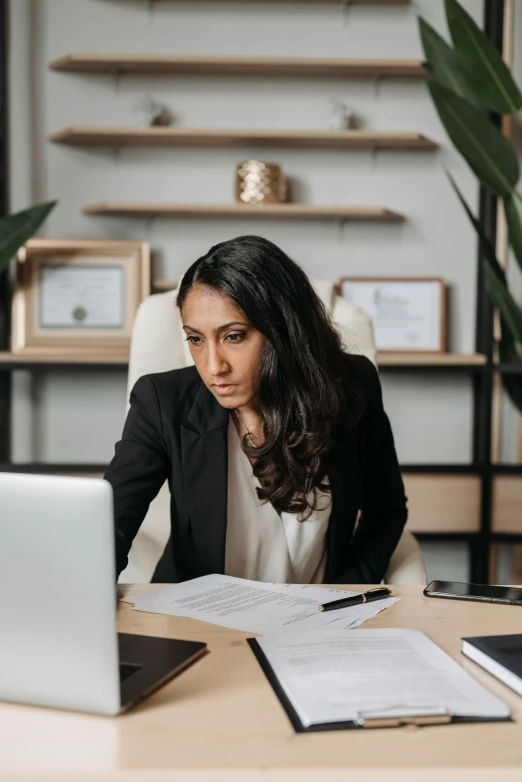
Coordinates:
[482,376]
[5,380]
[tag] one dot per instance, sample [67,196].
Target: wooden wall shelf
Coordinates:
[240,212]
[431,360]
[319,2]
[325,139]
[387,361]
[29,359]
[411,361]
[240,66]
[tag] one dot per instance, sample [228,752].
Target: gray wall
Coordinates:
[61,417]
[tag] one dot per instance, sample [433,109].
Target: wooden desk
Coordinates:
[220,720]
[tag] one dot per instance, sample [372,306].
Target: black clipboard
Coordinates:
[379,722]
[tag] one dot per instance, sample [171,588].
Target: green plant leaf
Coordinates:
[16,229]
[480,62]
[442,63]
[504,301]
[514,227]
[513,386]
[487,247]
[507,346]
[487,151]
[512,383]
[508,355]
[495,277]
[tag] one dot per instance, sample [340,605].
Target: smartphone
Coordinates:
[482,592]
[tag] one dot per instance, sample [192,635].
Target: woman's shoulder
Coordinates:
[178,386]
[362,372]
[363,381]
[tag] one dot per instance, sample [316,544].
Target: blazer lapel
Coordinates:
[345,496]
[204,447]
[205,469]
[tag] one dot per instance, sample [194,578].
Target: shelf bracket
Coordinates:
[149,222]
[115,74]
[116,151]
[377,80]
[345,11]
[340,223]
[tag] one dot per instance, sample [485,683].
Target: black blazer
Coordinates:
[177,431]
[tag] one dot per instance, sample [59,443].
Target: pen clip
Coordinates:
[383,589]
[434,715]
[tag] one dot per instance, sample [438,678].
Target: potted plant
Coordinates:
[471,86]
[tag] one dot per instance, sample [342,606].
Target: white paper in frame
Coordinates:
[408,313]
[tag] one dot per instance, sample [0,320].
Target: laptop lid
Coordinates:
[59,644]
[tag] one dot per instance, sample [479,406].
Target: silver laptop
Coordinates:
[59,645]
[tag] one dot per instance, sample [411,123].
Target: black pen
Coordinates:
[379,593]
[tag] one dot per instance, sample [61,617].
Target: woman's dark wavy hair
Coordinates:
[304,382]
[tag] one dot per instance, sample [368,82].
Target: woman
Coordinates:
[271,443]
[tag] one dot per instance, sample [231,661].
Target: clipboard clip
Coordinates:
[433,715]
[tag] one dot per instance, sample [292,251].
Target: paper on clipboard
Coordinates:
[338,677]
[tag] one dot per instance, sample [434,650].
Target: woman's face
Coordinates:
[225,347]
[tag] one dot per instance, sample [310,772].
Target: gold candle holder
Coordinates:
[260,183]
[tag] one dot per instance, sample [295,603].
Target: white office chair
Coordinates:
[158,345]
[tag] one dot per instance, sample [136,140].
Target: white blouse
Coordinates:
[261,544]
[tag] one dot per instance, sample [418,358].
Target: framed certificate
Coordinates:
[78,295]
[82,297]
[408,314]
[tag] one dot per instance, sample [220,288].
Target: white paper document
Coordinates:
[342,677]
[255,606]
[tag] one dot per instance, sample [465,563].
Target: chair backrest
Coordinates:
[158,343]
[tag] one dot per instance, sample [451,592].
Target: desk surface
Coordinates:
[221,721]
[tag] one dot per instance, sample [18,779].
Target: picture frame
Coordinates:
[408,313]
[74,296]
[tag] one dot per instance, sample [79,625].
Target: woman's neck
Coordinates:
[248,420]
